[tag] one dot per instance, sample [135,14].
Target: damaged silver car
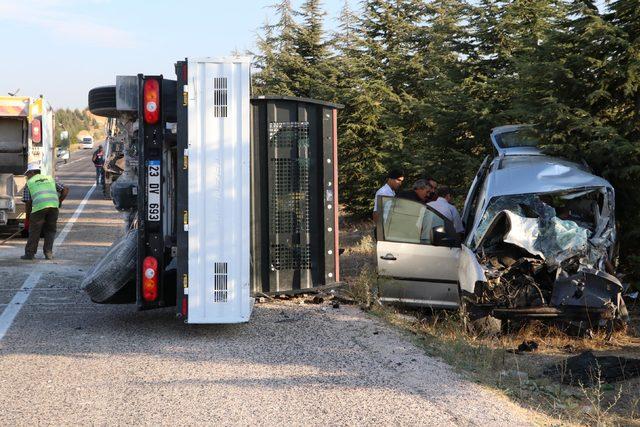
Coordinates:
[540,241]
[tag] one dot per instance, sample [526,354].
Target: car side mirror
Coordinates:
[440,237]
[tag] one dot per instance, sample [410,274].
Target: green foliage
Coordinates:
[73,121]
[423,83]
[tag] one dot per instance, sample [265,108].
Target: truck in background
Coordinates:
[26,136]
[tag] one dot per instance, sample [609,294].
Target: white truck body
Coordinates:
[219,190]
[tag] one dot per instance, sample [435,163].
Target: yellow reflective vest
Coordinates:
[43,193]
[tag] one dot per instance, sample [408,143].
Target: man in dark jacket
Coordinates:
[98,162]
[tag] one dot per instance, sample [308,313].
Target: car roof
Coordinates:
[525,174]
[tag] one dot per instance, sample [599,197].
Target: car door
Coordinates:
[417,255]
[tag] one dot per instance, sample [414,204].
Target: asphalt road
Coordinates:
[65,360]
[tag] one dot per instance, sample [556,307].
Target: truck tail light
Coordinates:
[150,279]
[36,131]
[151,101]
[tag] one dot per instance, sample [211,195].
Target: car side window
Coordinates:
[406,221]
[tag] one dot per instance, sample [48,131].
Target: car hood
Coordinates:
[539,174]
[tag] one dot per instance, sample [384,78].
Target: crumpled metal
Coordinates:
[536,228]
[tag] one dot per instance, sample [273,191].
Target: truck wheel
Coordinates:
[114,270]
[102,101]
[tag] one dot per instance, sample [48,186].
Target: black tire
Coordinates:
[114,270]
[102,101]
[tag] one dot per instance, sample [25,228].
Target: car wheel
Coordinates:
[114,270]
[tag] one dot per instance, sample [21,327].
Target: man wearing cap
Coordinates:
[395,177]
[42,196]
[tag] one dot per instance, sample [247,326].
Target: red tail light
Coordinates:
[150,279]
[151,101]
[36,131]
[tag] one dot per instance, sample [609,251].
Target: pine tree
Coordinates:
[316,76]
[364,149]
[268,79]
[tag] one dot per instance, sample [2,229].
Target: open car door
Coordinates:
[417,254]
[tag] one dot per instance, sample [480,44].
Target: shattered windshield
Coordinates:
[556,227]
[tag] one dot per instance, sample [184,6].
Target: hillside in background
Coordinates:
[78,123]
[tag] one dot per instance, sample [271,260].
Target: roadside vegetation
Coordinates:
[77,123]
[494,361]
[423,83]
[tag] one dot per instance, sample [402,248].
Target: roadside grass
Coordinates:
[491,361]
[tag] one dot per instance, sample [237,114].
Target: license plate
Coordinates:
[153,190]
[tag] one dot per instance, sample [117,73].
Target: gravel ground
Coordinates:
[66,360]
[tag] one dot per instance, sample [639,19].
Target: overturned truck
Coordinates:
[224,196]
[540,242]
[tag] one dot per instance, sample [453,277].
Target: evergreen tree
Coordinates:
[316,76]
[423,83]
[365,150]
[269,78]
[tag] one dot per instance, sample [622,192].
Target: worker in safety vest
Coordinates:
[42,196]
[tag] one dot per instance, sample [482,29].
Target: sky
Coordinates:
[63,48]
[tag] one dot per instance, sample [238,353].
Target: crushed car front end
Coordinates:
[543,244]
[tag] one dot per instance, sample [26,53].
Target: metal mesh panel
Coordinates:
[290,257]
[288,134]
[282,184]
[289,193]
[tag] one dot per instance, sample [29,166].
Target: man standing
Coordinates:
[98,162]
[419,193]
[443,205]
[42,196]
[395,177]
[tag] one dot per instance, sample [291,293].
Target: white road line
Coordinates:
[71,162]
[20,298]
[74,217]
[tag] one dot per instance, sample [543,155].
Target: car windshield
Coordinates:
[520,138]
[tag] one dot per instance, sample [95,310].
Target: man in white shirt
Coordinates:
[395,177]
[443,205]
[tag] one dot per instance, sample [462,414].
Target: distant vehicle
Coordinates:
[26,136]
[87,143]
[62,154]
